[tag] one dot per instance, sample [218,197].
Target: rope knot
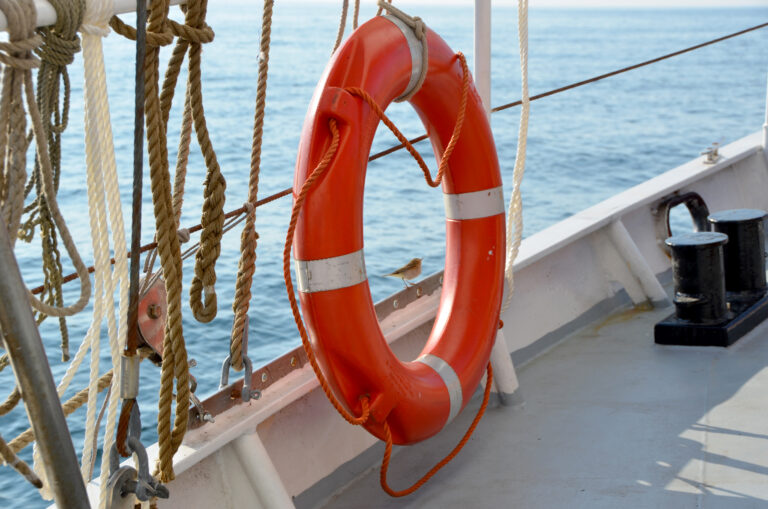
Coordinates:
[196,35]
[183,234]
[93,29]
[155,39]
[249,208]
[58,49]
[17,54]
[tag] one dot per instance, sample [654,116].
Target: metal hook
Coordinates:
[246,394]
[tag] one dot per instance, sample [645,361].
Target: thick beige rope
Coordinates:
[192,34]
[175,364]
[202,292]
[249,237]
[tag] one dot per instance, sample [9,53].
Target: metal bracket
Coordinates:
[125,480]
[711,155]
[246,394]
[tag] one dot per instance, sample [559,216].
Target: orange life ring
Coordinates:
[416,398]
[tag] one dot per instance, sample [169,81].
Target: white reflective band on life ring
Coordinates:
[485,203]
[414,44]
[330,273]
[450,379]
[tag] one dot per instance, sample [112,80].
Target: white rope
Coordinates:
[99,143]
[515,214]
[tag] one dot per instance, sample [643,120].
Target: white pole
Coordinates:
[261,473]
[46,14]
[483,52]
[765,125]
[505,379]
[637,264]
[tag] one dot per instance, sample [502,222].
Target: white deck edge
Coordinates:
[581,224]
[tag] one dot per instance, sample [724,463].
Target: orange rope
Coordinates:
[296,210]
[444,461]
[365,96]
[319,169]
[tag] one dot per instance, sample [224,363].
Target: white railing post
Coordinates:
[765,124]
[483,52]
[505,379]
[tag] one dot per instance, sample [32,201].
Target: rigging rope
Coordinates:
[249,237]
[192,34]
[342,25]
[59,45]
[515,214]
[103,186]
[175,365]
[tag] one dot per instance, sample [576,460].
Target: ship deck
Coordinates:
[609,420]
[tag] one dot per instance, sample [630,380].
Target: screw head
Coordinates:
[153,311]
[264,377]
[293,362]
[395,303]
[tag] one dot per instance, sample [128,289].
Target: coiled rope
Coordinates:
[191,36]
[17,137]
[59,45]
[249,237]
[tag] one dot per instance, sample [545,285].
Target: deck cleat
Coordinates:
[719,281]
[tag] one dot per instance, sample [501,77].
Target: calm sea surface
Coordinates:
[584,146]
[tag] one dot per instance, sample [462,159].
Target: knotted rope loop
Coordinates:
[192,34]
[249,238]
[419,29]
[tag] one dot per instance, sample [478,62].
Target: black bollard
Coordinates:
[744,255]
[697,271]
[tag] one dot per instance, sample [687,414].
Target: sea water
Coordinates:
[584,145]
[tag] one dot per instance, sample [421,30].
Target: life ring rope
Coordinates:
[365,96]
[296,210]
[319,169]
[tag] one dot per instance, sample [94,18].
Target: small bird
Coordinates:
[408,271]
